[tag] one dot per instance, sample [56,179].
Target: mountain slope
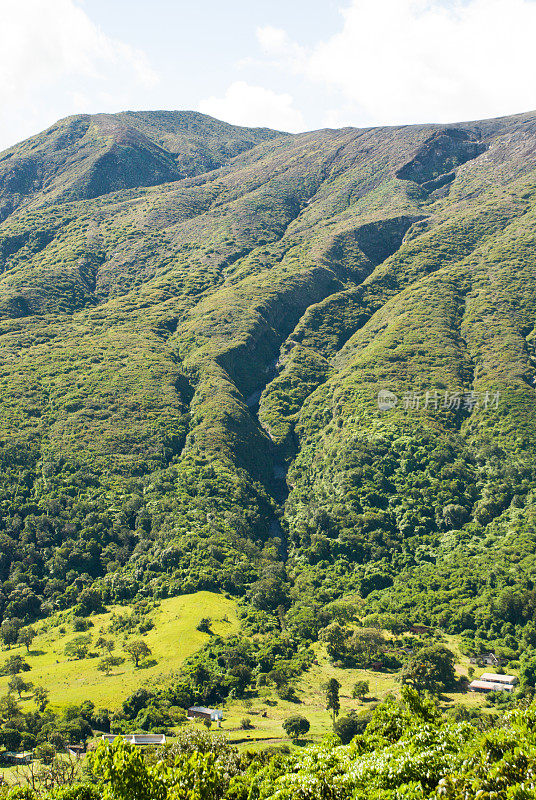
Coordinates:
[87,155]
[170,351]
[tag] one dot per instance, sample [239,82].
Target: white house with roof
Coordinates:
[138,739]
[491,682]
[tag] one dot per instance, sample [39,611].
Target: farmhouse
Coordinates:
[138,739]
[490,659]
[489,682]
[213,714]
[11,757]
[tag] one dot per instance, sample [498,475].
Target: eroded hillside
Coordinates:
[196,321]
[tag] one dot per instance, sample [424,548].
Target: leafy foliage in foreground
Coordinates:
[407,750]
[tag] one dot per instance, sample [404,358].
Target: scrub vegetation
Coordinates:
[196,321]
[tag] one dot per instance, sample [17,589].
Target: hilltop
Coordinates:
[87,155]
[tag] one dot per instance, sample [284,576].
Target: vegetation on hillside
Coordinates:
[405,748]
[196,322]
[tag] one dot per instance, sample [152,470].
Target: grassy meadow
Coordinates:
[268,730]
[173,638]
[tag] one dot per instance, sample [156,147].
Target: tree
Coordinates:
[430,669]
[89,601]
[136,650]
[335,637]
[204,625]
[9,630]
[527,673]
[361,689]
[15,664]
[296,726]
[127,774]
[10,738]
[242,673]
[454,515]
[107,663]
[105,644]
[333,703]
[78,647]
[41,698]
[26,637]
[19,685]
[347,726]
[81,624]
[9,708]
[45,752]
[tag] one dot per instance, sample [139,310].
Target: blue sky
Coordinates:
[292,65]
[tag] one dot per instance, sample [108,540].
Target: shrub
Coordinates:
[296,726]
[204,625]
[346,727]
[80,624]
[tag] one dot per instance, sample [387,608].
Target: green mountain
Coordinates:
[90,155]
[195,323]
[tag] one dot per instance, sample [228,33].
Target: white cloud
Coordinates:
[402,61]
[276,42]
[50,53]
[254,106]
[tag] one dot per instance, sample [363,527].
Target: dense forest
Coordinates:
[196,321]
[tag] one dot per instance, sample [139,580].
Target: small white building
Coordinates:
[490,682]
[138,739]
[201,712]
[507,680]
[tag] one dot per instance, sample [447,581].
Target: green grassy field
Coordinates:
[310,690]
[173,638]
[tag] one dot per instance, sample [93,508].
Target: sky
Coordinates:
[292,65]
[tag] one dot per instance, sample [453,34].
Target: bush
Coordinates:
[80,624]
[21,793]
[45,752]
[78,647]
[361,689]
[296,726]
[204,625]
[82,792]
[245,724]
[347,727]
[89,602]
[287,692]
[15,664]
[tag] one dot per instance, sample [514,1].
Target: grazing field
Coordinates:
[311,693]
[173,638]
[310,690]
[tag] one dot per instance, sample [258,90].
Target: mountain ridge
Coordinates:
[121,153]
[190,369]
